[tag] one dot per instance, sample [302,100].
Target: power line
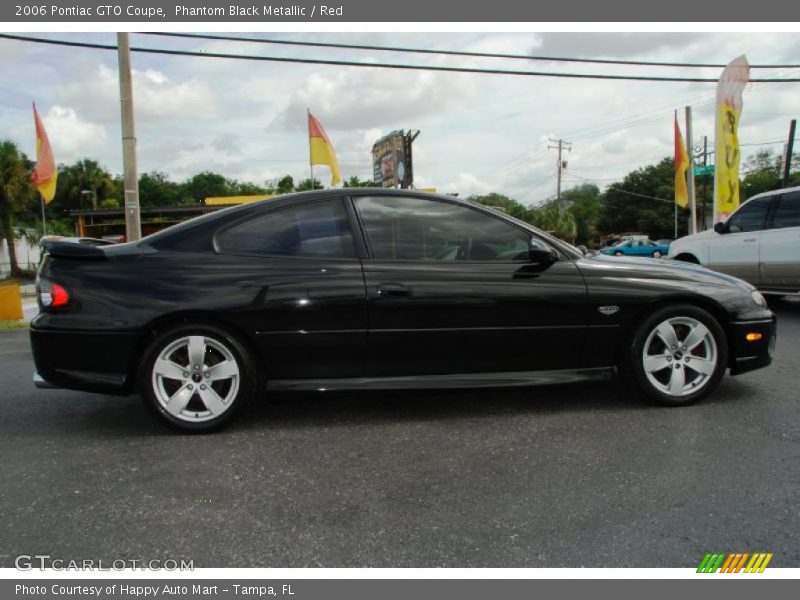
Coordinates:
[407,67]
[409,50]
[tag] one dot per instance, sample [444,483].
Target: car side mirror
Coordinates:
[720,228]
[540,254]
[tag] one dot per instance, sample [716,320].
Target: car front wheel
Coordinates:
[677,356]
[197,377]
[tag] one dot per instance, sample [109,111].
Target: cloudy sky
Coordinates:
[480,133]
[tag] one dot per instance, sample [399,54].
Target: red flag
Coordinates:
[44,173]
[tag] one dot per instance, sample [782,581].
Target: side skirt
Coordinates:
[438,382]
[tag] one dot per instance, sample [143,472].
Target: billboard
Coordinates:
[389,160]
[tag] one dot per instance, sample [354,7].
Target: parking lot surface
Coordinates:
[541,477]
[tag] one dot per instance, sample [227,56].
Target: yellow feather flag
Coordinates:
[44,174]
[681,166]
[321,149]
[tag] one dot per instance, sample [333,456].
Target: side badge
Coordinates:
[607,310]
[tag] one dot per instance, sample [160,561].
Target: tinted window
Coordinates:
[787,213]
[406,228]
[318,229]
[750,217]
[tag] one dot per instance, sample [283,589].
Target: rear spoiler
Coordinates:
[63,249]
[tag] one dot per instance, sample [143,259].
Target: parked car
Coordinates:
[759,243]
[637,247]
[378,289]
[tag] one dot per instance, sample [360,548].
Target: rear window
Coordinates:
[314,229]
[787,214]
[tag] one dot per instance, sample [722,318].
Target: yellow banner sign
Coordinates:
[729,110]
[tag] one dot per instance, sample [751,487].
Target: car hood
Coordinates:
[620,267]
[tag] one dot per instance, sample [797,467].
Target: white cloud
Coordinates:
[155,95]
[69,134]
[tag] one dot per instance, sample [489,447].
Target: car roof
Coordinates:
[795,188]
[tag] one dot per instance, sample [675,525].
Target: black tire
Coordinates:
[236,391]
[631,362]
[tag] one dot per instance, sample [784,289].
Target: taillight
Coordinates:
[53,295]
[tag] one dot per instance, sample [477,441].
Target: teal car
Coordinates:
[637,247]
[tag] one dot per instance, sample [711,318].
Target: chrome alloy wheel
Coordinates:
[196,378]
[680,356]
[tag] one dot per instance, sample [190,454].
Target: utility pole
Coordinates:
[787,161]
[559,145]
[690,178]
[133,223]
[705,181]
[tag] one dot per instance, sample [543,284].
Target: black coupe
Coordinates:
[378,289]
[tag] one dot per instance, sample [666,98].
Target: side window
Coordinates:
[315,229]
[787,213]
[750,217]
[408,228]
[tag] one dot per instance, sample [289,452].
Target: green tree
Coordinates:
[555,218]
[155,189]
[285,185]
[355,182]
[15,191]
[306,185]
[643,202]
[504,203]
[85,182]
[205,185]
[585,205]
[762,173]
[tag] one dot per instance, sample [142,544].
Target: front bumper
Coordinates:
[749,355]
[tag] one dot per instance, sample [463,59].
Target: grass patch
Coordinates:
[13,325]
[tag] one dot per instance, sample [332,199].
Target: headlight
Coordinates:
[758,298]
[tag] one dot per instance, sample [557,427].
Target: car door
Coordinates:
[779,251]
[452,290]
[736,251]
[301,271]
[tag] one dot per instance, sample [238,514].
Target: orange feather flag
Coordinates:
[44,173]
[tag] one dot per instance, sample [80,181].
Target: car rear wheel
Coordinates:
[677,357]
[197,377]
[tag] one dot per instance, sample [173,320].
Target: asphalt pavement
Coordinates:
[543,477]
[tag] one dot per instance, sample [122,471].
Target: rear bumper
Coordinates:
[749,355]
[83,360]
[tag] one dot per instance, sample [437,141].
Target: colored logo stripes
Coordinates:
[735,562]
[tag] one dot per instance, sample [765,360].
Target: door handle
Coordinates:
[393,290]
[749,240]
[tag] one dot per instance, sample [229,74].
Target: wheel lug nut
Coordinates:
[190,386]
[197,367]
[686,359]
[677,365]
[202,387]
[208,374]
[186,373]
[669,359]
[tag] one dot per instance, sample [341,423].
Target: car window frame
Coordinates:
[355,233]
[370,255]
[767,213]
[776,201]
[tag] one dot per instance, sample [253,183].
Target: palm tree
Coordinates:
[15,190]
[85,177]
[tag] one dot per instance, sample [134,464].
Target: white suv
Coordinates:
[759,243]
